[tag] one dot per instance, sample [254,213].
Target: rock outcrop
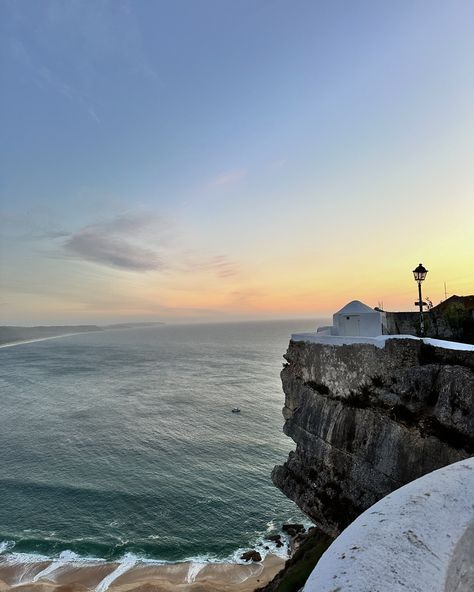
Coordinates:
[301,563]
[251,555]
[367,420]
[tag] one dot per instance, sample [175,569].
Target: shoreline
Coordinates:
[135,576]
[26,341]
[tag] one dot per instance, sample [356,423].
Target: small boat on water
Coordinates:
[235,410]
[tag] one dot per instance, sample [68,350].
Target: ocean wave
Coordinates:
[68,556]
[85,551]
[23,558]
[128,561]
[65,558]
[193,571]
[6,546]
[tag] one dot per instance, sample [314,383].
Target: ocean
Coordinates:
[123,443]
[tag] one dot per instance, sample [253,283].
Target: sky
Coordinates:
[210,160]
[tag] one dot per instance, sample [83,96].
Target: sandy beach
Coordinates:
[120,577]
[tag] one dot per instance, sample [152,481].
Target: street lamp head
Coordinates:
[420,273]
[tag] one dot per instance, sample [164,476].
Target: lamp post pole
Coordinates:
[420,274]
[420,302]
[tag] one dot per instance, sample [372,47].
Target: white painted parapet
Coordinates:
[325,339]
[419,538]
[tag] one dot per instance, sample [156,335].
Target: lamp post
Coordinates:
[420,274]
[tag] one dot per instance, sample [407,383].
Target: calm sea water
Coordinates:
[124,441]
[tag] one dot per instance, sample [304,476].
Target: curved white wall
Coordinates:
[420,538]
[460,576]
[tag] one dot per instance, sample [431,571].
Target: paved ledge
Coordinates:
[377,341]
[420,538]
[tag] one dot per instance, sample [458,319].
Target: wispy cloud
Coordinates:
[37,224]
[91,244]
[93,36]
[219,265]
[44,77]
[244,296]
[141,242]
[227,178]
[116,243]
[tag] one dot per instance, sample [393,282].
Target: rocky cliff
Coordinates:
[367,419]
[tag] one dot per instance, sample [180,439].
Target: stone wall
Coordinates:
[453,319]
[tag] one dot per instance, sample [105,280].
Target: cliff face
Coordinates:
[366,420]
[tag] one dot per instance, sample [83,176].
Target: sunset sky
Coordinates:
[222,160]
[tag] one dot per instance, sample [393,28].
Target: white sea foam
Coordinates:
[31,559]
[20,558]
[6,546]
[64,558]
[53,566]
[69,558]
[193,571]
[26,561]
[259,543]
[127,563]
[270,526]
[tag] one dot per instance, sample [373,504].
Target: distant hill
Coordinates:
[132,325]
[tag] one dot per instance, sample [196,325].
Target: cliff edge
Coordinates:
[368,418]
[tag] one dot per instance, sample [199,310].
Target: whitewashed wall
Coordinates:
[420,538]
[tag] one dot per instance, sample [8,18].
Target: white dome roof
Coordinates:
[355,307]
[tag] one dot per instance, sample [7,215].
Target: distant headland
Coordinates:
[10,335]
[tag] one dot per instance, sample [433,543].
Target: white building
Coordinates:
[356,319]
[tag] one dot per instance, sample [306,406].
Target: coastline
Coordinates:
[63,576]
[25,341]
[12,335]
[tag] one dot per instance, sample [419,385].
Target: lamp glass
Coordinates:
[420,273]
